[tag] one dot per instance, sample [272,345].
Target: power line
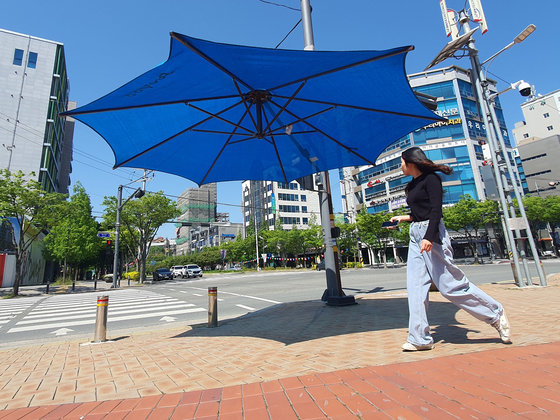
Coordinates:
[279,5]
[40,135]
[288,34]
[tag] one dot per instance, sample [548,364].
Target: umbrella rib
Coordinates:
[121,108]
[303,118]
[220,118]
[284,107]
[222,149]
[247,107]
[173,136]
[363,108]
[207,58]
[330,137]
[347,66]
[276,151]
[219,132]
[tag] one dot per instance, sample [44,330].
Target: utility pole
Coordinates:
[500,159]
[334,294]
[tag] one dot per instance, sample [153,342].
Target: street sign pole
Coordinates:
[117,232]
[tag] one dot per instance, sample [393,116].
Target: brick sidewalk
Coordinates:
[513,382]
[303,339]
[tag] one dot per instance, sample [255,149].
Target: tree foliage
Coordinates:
[72,237]
[30,208]
[140,220]
[469,216]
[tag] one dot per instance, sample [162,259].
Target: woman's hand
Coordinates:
[405,218]
[425,245]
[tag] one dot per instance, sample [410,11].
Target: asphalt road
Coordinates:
[185,302]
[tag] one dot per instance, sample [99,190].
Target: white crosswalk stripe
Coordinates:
[10,308]
[73,310]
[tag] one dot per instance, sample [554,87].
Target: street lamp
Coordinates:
[517,40]
[499,153]
[136,194]
[495,140]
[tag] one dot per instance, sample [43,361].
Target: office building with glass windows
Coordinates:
[457,142]
[35,89]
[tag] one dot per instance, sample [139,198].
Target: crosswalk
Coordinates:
[12,308]
[63,312]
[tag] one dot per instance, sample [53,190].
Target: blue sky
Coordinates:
[107,43]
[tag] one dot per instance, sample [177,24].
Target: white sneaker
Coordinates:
[413,347]
[502,325]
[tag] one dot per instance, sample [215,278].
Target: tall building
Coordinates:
[542,118]
[457,142]
[540,157]
[35,88]
[275,203]
[198,207]
[538,138]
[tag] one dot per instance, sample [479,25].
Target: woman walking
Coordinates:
[430,256]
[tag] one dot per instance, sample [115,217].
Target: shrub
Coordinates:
[132,275]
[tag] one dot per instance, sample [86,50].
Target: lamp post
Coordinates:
[137,194]
[500,156]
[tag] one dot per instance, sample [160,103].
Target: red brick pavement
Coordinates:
[508,382]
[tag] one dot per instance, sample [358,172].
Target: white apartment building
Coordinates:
[542,118]
[271,202]
[35,88]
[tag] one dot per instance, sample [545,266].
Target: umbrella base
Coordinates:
[341,300]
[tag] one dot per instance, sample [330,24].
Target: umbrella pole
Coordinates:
[333,294]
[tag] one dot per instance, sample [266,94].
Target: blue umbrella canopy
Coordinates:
[229,112]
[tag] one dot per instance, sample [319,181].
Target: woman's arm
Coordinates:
[403,218]
[435,197]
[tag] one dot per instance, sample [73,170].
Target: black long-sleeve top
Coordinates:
[424,198]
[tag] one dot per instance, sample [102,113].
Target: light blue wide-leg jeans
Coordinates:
[437,266]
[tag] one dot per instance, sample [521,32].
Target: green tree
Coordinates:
[468,217]
[543,210]
[372,234]
[348,240]
[72,237]
[30,208]
[140,220]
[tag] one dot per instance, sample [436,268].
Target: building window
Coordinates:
[303,198]
[304,209]
[18,57]
[305,220]
[32,60]
[546,115]
[549,128]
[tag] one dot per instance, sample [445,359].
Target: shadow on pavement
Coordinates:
[310,320]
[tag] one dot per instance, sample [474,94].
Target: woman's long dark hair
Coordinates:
[417,156]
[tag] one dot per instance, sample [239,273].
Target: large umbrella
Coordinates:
[217,112]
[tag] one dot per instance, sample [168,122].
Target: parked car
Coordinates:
[193,270]
[162,274]
[178,271]
[321,266]
[108,278]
